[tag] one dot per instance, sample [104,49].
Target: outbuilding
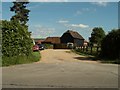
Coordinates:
[72,37]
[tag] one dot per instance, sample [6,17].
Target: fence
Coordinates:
[94,50]
[60,46]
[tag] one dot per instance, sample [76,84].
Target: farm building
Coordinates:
[72,37]
[52,40]
[38,40]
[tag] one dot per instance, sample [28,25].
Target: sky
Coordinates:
[52,19]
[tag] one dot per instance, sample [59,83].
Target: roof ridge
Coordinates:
[74,34]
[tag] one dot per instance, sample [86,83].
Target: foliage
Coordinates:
[0,43]
[110,47]
[95,57]
[15,35]
[7,61]
[21,13]
[87,51]
[97,35]
[15,39]
[48,46]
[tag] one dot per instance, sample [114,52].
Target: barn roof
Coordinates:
[54,40]
[38,40]
[74,34]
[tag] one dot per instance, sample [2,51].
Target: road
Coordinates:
[61,69]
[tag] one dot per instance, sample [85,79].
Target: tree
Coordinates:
[16,39]
[97,35]
[0,37]
[21,13]
[110,47]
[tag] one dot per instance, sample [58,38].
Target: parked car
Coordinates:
[70,45]
[41,46]
[35,48]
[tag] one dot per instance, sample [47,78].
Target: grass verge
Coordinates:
[81,53]
[97,58]
[110,61]
[7,61]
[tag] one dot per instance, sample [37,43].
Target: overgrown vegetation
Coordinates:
[110,47]
[0,43]
[48,46]
[16,40]
[107,49]
[87,52]
[96,38]
[14,60]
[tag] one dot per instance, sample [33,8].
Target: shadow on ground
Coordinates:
[86,58]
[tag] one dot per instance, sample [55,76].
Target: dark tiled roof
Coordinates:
[74,34]
[54,40]
[39,40]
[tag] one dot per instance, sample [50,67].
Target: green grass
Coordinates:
[82,53]
[68,51]
[7,61]
[0,61]
[116,61]
[96,57]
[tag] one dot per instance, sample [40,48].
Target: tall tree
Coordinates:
[110,47]
[21,13]
[21,17]
[16,39]
[97,35]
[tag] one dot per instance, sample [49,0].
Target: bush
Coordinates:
[110,47]
[48,46]
[15,39]
[7,61]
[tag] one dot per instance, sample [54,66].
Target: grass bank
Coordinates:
[7,61]
[97,58]
[82,53]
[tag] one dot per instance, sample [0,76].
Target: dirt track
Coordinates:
[62,56]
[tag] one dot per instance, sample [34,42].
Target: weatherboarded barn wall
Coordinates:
[72,37]
[60,46]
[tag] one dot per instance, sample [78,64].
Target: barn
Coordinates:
[72,37]
[51,40]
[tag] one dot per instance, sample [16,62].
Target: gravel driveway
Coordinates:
[61,69]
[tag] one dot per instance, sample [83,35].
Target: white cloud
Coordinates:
[39,31]
[84,10]
[100,3]
[71,26]
[79,25]
[75,26]
[78,12]
[63,21]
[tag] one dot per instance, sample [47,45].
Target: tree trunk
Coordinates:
[86,48]
[91,50]
[83,48]
[97,49]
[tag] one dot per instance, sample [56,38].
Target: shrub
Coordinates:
[15,39]
[14,60]
[110,47]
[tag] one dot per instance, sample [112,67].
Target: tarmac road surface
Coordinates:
[61,69]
